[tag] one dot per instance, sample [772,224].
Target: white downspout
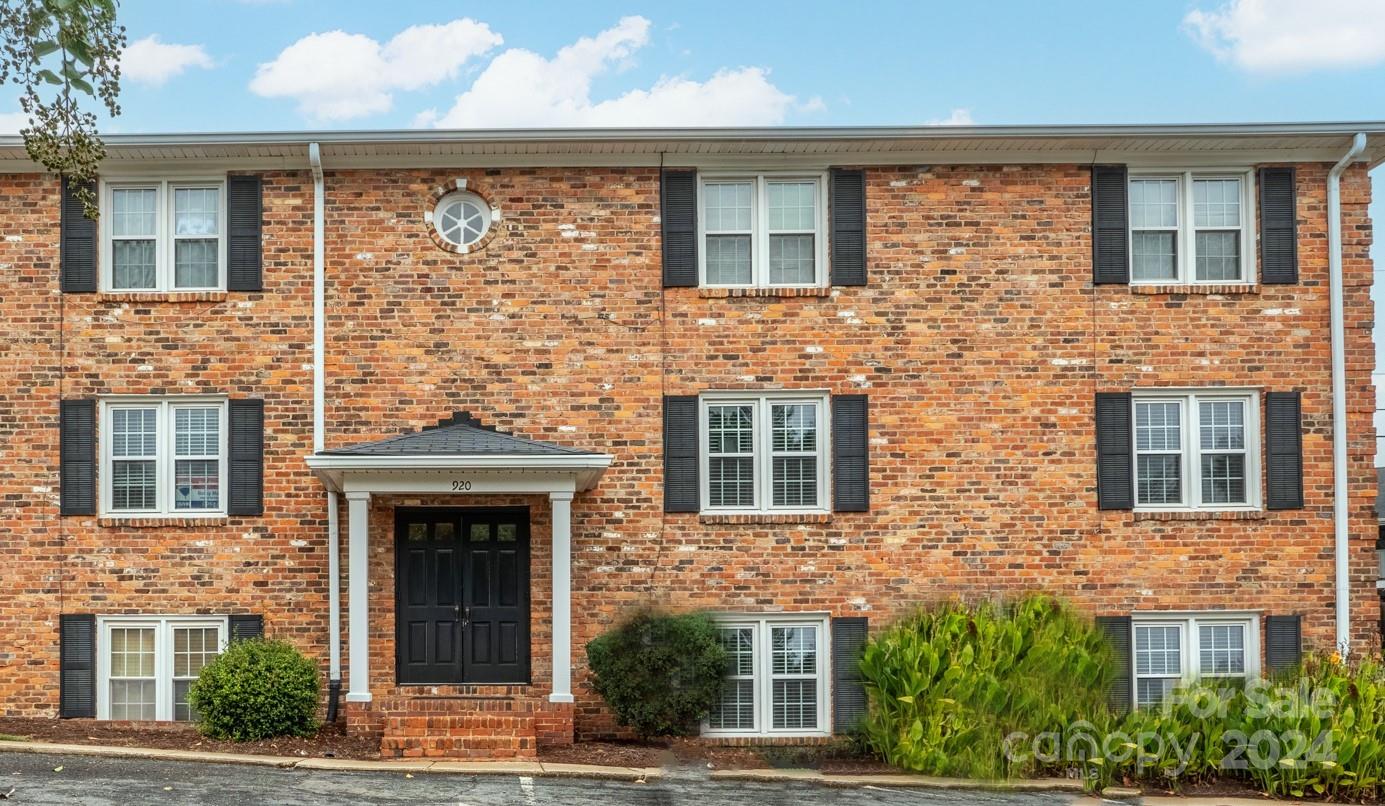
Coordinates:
[1341,543]
[319,424]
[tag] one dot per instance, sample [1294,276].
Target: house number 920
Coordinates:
[461,486]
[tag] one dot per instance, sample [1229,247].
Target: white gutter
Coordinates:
[319,416]
[1340,527]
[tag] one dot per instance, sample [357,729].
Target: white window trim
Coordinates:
[759,227]
[165,464]
[163,655]
[164,236]
[1191,450]
[764,680]
[764,455]
[1185,239]
[1190,655]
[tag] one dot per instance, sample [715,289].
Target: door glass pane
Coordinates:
[507,532]
[480,532]
[445,530]
[417,532]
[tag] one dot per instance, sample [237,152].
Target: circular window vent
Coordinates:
[462,218]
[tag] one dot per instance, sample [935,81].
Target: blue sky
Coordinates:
[225,65]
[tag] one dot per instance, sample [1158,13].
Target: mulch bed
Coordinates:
[332,742]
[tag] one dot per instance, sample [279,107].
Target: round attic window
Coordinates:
[462,218]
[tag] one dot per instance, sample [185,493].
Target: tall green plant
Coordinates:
[948,684]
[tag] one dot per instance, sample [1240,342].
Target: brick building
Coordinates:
[439,407]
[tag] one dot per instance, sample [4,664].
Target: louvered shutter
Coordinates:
[1283,643]
[77,457]
[678,212]
[243,627]
[849,702]
[1278,227]
[77,665]
[850,453]
[1283,451]
[1110,225]
[77,246]
[1114,451]
[1119,690]
[682,492]
[848,231]
[246,445]
[244,252]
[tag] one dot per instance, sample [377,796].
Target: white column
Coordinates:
[358,534]
[562,596]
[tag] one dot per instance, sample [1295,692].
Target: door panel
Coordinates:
[497,601]
[427,605]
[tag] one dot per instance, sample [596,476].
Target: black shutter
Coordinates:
[1119,692]
[848,687]
[1283,451]
[682,493]
[848,207]
[77,457]
[850,453]
[1278,220]
[678,212]
[1115,488]
[244,211]
[77,666]
[1110,225]
[243,627]
[77,250]
[1283,643]
[246,496]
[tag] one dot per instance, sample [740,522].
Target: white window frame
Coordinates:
[163,655]
[759,227]
[761,625]
[1185,240]
[165,457]
[164,232]
[1190,651]
[760,403]
[1191,448]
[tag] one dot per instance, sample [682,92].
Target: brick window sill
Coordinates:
[1195,289]
[149,523]
[162,296]
[1238,515]
[730,293]
[766,517]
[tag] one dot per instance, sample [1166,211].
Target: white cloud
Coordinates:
[1278,36]
[961,116]
[336,75]
[12,122]
[522,88]
[149,61]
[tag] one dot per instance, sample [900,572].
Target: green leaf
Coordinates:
[44,47]
[49,76]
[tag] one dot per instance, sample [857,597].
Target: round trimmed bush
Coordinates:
[257,689]
[660,673]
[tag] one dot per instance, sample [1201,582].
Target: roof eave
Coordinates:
[585,468]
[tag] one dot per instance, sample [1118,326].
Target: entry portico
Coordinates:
[458,457]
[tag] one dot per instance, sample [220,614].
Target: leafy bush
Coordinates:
[257,689]
[950,683]
[660,673]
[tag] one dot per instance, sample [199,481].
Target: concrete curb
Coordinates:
[530,768]
[898,780]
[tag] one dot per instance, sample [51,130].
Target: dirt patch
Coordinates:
[608,754]
[330,742]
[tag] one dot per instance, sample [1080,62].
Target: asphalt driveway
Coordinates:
[94,780]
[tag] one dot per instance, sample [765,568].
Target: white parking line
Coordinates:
[526,785]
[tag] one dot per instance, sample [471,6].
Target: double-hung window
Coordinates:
[164,456]
[1191,228]
[146,664]
[764,453]
[764,230]
[776,677]
[164,236]
[1174,648]
[1196,450]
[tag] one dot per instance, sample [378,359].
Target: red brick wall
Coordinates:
[979,339]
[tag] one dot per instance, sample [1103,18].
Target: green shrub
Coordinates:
[950,683]
[659,673]
[257,689]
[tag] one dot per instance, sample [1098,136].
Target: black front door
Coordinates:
[463,595]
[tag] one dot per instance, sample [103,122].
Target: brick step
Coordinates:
[462,728]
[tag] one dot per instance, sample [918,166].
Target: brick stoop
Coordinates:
[476,728]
